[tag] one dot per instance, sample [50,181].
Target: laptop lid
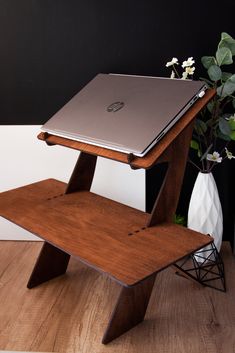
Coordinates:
[125,113]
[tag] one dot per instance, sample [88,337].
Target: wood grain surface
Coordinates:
[70,314]
[167,200]
[51,262]
[130,309]
[103,233]
[83,173]
[152,156]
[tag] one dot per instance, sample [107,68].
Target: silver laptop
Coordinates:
[125,113]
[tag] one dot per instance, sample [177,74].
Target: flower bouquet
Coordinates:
[215,128]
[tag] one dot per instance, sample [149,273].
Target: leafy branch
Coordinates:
[215,122]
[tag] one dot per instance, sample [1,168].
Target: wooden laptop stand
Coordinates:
[128,245]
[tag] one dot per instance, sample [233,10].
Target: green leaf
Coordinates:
[224,126]
[232,135]
[227,88]
[224,56]
[231,123]
[200,127]
[210,106]
[219,90]
[194,145]
[227,41]
[226,76]
[214,72]
[208,61]
[210,122]
[181,220]
[223,137]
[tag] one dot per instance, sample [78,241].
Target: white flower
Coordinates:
[184,75]
[174,61]
[172,74]
[214,157]
[229,154]
[190,70]
[188,62]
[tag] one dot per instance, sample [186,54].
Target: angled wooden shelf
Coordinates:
[153,155]
[79,224]
[128,245]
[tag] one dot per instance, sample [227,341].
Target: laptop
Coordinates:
[125,113]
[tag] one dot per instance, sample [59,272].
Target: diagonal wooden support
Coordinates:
[167,199]
[51,262]
[83,173]
[130,309]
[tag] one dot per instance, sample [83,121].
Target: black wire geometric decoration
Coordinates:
[205,266]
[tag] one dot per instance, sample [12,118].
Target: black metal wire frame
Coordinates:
[211,269]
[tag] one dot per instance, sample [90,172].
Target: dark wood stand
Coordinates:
[128,245]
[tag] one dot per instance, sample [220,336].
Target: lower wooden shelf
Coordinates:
[104,234]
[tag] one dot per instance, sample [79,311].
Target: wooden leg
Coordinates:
[130,309]
[83,173]
[167,199]
[51,262]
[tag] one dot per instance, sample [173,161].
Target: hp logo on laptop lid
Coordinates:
[114,107]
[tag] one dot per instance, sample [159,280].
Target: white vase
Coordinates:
[205,212]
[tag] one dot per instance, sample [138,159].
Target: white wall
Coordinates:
[24,159]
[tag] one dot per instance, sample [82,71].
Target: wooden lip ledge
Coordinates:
[152,156]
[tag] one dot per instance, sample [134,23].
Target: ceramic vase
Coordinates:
[205,212]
